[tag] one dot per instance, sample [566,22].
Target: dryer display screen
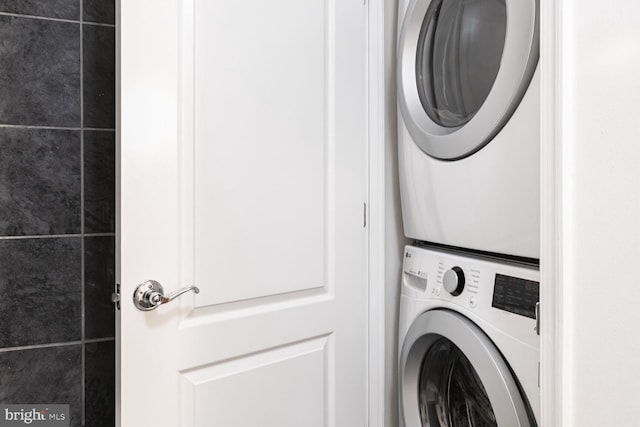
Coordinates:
[516,295]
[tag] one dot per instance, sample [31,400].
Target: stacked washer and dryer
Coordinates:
[468,98]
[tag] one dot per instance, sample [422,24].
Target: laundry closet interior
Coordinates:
[559,188]
[344,213]
[469,165]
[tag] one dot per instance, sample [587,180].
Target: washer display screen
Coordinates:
[516,295]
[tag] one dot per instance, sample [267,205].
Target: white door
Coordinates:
[243,149]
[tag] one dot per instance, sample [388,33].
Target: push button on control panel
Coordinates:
[472,302]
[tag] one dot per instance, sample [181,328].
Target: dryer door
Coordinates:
[463,68]
[452,375]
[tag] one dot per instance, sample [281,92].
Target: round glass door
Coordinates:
[458,57]
[463,68]
[452,375]
[450,391]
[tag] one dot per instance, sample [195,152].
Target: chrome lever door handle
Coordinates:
[150,295]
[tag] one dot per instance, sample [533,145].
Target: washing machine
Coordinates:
[469,351]
[469,123]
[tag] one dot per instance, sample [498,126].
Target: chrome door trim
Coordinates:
[519,60]
[507,403]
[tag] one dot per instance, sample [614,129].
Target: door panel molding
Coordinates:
[312,255]
[251,405]
[254,307]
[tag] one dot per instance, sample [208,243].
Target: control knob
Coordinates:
[453,281]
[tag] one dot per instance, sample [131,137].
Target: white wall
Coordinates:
[596,65]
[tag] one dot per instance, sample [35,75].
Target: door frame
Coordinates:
[378,106]
[555,175]
[380,100]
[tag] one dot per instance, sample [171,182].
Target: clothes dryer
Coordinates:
[468,342]
[468,101]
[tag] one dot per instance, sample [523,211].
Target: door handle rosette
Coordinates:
[150,294]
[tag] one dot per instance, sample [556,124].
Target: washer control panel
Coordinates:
[485,286]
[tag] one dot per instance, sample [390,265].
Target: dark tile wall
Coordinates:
[57,372]
[99,181]
[57,206]
[37,198]
[99,76]
[64,9]
[40,79]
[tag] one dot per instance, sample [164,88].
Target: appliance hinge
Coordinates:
[365,215]
[115,297]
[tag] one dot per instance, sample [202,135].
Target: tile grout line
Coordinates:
[56,344]
[54,128]
[83,412]
[56,236]
[49,18]
[99,24]
[95,340]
